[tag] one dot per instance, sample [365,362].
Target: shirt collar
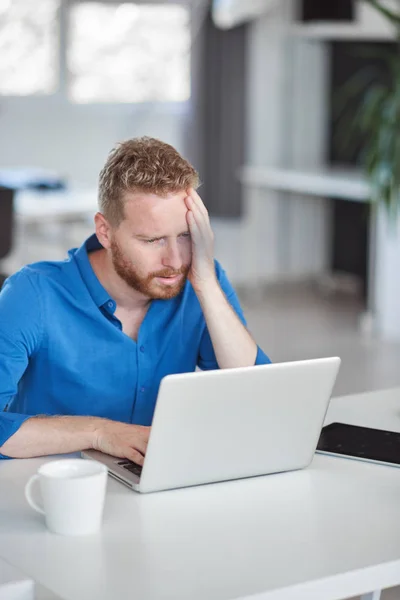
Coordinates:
[81,255]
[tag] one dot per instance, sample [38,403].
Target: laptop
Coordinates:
[230,424]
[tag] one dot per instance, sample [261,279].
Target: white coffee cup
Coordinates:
[73,493]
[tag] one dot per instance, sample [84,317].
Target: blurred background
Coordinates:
[278,104]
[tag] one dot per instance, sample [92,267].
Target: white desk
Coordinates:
[329,532]
[14,585]
[48,220]
[32,207]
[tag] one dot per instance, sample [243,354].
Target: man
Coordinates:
[85,342]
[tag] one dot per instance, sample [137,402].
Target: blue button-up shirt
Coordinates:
[63,352]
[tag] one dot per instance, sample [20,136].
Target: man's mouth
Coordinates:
[170,279]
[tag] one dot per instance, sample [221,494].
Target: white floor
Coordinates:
[299,322]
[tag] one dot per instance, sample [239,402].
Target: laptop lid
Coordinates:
[235,423]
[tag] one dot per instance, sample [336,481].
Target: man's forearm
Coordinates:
[41,436]
[233,345]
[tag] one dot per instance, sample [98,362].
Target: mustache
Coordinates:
[170,273]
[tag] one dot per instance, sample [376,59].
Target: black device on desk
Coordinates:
[362,443]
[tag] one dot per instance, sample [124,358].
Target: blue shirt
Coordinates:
[63,352]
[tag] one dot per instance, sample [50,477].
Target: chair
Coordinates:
[6,224]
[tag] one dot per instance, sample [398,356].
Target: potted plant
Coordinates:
[377,119]
[377,123]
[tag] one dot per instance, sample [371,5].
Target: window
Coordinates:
[29,41]
[128,52]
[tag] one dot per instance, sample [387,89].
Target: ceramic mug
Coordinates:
[73,493]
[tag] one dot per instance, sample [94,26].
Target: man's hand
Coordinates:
[42,435]
[232,343]
[202,270]
[121,440]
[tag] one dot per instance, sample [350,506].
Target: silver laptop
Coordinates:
[230,424]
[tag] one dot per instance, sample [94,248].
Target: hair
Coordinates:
[142,164]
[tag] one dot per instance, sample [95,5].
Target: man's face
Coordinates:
[151,248]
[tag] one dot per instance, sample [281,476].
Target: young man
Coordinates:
[85,342]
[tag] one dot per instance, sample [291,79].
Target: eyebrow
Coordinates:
[151,237]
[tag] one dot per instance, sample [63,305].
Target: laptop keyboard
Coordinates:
[131,466]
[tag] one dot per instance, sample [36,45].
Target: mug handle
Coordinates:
[29,496]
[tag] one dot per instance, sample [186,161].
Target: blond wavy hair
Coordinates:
[142,164]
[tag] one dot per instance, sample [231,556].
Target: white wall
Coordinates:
[72,139]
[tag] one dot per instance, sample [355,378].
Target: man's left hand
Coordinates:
[202,270]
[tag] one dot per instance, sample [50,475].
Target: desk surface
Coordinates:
[35,206]
[331,531]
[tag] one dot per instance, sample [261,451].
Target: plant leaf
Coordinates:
[386,12]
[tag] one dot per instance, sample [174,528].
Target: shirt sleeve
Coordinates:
[20,336]
[207,360]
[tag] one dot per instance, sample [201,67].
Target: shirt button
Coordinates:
[141,348]
[110,304]
[142,389]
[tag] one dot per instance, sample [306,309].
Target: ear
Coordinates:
[103,230]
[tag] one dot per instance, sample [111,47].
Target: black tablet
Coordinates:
[363,443]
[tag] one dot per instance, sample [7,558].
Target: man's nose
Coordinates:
[172,257]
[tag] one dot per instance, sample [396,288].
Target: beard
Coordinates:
[148,285]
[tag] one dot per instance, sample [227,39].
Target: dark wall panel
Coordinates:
[327,10]
[350,230]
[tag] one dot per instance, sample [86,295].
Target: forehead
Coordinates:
[149,214]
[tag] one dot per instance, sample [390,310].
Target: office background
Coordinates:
[252,106]
[246,90]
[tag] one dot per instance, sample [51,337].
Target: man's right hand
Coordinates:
[122,440]
[41,436]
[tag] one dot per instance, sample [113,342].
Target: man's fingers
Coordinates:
[135,457]
[193,226]
[196,197]
[197,217]
[198,202]
[141,445]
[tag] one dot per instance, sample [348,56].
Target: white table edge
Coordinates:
[338,587]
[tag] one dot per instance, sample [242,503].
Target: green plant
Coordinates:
[377,120]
